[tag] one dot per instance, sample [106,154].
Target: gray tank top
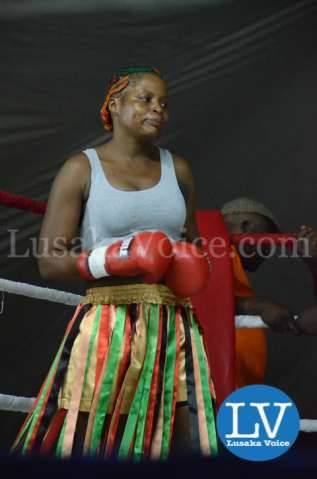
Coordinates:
[111,214]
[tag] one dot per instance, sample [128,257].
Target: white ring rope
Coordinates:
[63,297]
[15,403]
[71,299]
[243,321]
[308,425]
[24,404]
[39,292]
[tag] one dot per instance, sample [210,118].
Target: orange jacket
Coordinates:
[250,344]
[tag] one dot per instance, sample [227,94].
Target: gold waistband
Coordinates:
[134,293]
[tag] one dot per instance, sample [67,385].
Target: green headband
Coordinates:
[137,69]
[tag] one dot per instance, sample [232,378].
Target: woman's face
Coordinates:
[142,107]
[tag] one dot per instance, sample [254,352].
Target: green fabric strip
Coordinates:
[113,362]
[60,443]
[169,382]
[22,433]
[31,423]
[39,406]
[210,418]
[130,426]
[27,424]
[151,348]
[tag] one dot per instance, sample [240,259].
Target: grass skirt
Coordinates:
[133,350]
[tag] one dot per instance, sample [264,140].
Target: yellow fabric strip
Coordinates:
[203,431]
[77,390]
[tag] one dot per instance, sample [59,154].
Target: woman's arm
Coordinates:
[61,221]
[187,185]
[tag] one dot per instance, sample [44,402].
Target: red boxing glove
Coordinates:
[147,254]
[189,270]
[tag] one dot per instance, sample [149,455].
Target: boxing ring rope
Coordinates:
[12,403]
[270,239]
[38,292]
[24,404]
[22,203]
[63,297]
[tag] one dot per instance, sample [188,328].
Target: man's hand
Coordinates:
[307,321]
[307,243]
[276,316]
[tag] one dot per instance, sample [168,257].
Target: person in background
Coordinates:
[246,215]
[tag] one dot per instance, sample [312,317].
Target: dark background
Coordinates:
[242,77]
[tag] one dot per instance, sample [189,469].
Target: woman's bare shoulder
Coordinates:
[77,164]
[75,170]
[183,169]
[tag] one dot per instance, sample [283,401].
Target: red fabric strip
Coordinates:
[103,340]
[53,431]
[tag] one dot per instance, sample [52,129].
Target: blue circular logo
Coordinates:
[258,423]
